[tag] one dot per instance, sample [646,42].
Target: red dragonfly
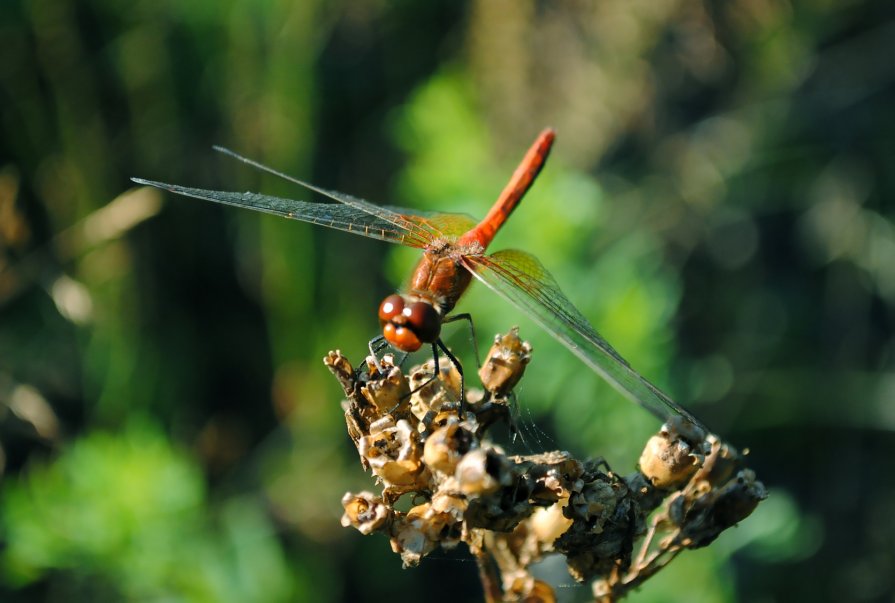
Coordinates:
[453,253]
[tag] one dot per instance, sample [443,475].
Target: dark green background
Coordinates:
[719,204]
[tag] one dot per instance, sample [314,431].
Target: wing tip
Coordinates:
[144,182]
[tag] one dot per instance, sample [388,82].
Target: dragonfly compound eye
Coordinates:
[390,307]
[401,337]
[423,318]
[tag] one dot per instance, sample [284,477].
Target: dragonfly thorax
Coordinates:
[440,279]
[409,321]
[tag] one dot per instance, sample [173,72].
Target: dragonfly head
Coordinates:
[408,323]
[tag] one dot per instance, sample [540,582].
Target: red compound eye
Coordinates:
[390,307]
[401,337]
[408,326]
[424,319]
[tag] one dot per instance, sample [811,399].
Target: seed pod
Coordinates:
[550,523]
[505,363]
[446,446]
[389,390]
[668,461]
[434,395]
[393,452]
[478,473]
[417,533]
[365,512]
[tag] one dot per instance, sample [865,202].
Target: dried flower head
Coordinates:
[421,436]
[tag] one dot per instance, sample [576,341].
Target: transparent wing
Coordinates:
[521,279]
[341,217]
[449,225]
[407,220]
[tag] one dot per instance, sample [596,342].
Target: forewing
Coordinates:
[521,279]
[398,217]
[341,217]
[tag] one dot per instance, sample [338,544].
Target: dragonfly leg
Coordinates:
[375,345]
[457,365]
[437,368]
[427,381]
[475,344]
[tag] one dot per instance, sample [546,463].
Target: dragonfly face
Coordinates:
[409,321]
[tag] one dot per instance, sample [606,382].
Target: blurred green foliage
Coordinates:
[127,516]
[719,204]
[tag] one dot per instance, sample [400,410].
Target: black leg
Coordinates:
[375,345]
[434,373]
[437,368]
[378,343]
[459,368]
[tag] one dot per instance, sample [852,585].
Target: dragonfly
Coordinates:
[453,247]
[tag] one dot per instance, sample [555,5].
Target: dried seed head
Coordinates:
[446,446]
[424,527]
[554,474]
[514,510]
[550,523]
[450,503]
[429,520]
[393,452]
[434,395]
[724,462]
[481,472]
[409,541]
[365,512]
[341,369]
[505,363]
[668,461]
[738,499]
[595,502]
[707,516]
[389,389]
